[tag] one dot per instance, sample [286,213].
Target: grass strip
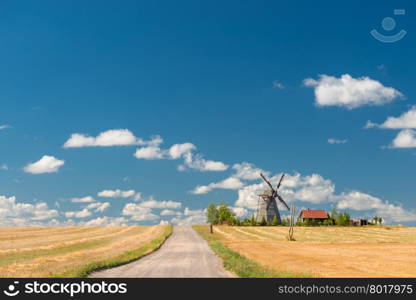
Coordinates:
[238,264]
[123,258]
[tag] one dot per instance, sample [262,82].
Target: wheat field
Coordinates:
[378,251]
[72,251]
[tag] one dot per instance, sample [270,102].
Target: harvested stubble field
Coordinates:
[73,251]
[327,251]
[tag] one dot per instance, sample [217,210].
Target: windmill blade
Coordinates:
[280,182]
[264,178]
[283,201]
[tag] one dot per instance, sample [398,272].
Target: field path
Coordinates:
[184,254]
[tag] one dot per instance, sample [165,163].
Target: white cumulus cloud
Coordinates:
[116,193]
[47,164]
[82,199]
[23,214]
[139,213]
[112,137]
[360,201]
[78,214]
[197,162]
[160,204]
[98,206]
[350,92]
[150,152]
[406,121]
[405,139]
[106,221]
[190,217]
[231,183]
[178,150]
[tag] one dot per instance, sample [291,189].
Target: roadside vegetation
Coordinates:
[74,251]
[238,264]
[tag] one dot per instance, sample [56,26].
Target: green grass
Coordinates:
[238,264]
[126,257]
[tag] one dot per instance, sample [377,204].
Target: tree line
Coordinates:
[220,214]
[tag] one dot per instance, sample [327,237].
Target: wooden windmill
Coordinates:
[267,205]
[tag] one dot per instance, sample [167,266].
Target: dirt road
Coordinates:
[184,254]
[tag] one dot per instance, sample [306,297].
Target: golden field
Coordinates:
[73,251]
[379,251]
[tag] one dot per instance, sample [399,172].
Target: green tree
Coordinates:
[253,221]
[343,219]
[225,214]
[274,222]
[377,220]
[263,222]
[212,214]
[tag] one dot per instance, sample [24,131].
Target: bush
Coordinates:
[274,222]
[328,222]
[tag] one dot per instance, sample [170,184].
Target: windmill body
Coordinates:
[267,205]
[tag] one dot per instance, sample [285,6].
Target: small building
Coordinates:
[224,223]
[313,215]
[361,222]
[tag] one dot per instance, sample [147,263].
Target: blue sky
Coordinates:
[242,86]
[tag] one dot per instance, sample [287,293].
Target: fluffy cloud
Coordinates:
[150,152]
[178,150]
[15,213]
[231,183]
[106,221]
[242,171]
[139,213]
[112,137]
[83,199]
[191,161]
[47,164]
[78,214]
[116,193]
[190,217]
[247,171]
[169,212]
[240,211]
[362,202]
[350,92]
[197,162]
[336,141]
[405,139]
[406,121]
[160,204]
[98,206]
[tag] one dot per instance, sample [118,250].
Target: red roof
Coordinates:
[313,214]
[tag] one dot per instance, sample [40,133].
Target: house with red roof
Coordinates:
[313,215]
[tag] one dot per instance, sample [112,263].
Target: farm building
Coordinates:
[313,215]
[361,222]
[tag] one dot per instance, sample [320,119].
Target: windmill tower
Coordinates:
[267,206]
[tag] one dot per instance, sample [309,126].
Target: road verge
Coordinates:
[238,264]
